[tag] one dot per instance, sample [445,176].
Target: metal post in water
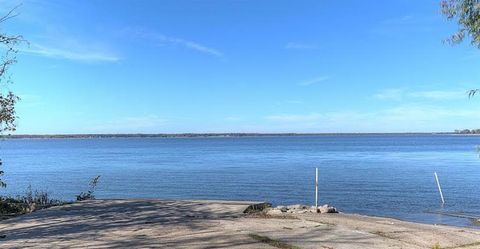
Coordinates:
[316,188]
[439,188]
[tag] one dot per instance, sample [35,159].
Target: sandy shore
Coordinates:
[215,224]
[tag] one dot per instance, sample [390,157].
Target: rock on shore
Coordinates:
[300,209]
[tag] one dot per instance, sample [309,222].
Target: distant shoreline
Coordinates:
[203,135]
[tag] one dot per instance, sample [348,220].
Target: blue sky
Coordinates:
[240,66]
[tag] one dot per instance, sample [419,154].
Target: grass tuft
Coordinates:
[26,203]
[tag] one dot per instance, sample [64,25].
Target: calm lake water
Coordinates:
[382,175]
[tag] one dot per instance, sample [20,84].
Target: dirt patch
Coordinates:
[272,242]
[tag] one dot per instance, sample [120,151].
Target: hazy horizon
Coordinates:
[234,133]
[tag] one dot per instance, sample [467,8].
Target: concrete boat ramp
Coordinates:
[216,224]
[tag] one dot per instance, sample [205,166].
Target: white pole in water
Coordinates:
[316,188]
[439,188]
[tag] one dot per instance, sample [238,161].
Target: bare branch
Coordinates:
[472,93]
[10,14]
[8,100]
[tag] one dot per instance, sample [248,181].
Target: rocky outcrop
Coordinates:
[299,209]
[327,209]
[257,207]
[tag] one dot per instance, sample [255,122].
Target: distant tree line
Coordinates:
[467,131]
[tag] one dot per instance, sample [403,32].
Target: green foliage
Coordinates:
[7,112]
[2,184]
[37,197]
[26,203]
[8,43]
[89,195]
[467,15]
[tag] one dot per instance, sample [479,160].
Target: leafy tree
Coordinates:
[467,15]
[8,46]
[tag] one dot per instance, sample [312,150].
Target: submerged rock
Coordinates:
[476,221]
